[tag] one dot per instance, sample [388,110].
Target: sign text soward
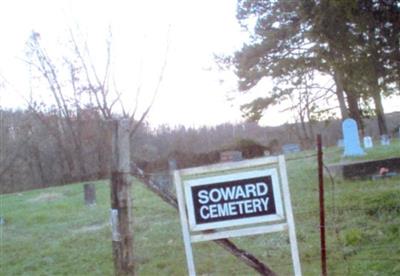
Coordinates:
[233,200]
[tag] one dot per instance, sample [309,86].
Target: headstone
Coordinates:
[90,194]
[385,140]
[2,221]
[232,155]
[351,138]
[172,165]
[368,144]
[290,148]
[340,143]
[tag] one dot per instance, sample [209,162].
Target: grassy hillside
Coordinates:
[51,232]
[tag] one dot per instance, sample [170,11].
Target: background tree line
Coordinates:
[37,151]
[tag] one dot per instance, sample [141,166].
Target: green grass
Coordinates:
[51,232]
[375,153]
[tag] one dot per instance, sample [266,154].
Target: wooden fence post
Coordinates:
[121,206]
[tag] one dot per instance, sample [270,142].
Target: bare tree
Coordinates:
[82,89]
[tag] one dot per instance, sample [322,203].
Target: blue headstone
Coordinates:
[351,138]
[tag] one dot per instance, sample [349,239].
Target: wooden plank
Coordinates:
[229,166]
[239,232]
[289,216]
[184,224]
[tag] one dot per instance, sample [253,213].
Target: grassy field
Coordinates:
[51,232]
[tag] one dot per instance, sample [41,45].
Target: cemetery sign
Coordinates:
[233,199]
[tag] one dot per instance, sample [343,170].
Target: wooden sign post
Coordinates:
[235,199]
[121,208]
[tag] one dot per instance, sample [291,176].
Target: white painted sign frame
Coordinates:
[187,228]
[232,177]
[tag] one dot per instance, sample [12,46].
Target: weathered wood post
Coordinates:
[89,190]
[121,206]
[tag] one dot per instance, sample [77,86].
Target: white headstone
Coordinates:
[385,140]
[368,142]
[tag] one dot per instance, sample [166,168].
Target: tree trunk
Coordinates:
[380,114]
[354,110]
[338,77]
[39,164]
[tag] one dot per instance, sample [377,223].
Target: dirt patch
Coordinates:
[46,197]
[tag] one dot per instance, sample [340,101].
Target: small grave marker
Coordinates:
[89,194]
[290,148]
[368,144]
[385,140]
[233,155]
[351,138]
[340,143]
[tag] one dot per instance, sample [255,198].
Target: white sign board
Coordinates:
[235,199]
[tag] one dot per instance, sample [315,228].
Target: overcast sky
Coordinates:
[191,92]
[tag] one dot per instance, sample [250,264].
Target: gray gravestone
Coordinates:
[340,143]
[351,138]
[232,155]
[385,140]
[89,191]
[290,148]
[368,144]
